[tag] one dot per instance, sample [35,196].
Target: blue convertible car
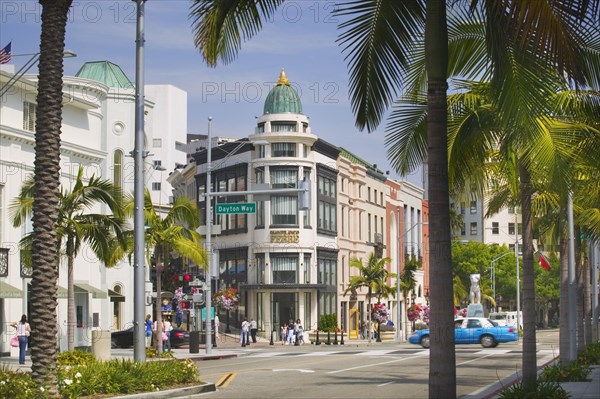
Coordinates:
[472,330]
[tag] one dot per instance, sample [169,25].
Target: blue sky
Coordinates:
[300,38]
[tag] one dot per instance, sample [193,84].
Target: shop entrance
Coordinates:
[285,308]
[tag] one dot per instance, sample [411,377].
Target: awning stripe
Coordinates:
[8,291]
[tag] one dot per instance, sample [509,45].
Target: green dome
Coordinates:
[105,72]
[282,98]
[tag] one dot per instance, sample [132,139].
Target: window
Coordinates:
[473,228]
[282,127]
[260,268]
[284,207]
[375,197]
[463,230]
[306,217]
[304,127]
[232,265]
[511,209]
[156,143]
[511,229]
[156,186]
[495,228]
[368,194]
[305,150]
[326,200]
[473,206]
[157,163]
[261,151]
[283,149]
[29,112]
[307,268]
[285,268]
[118,168]
[381,198]
[369,227]
[327,303]
[462,208]
[327,266]
[260,128]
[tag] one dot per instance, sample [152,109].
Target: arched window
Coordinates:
[118,168]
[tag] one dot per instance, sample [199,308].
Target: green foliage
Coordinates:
[76,357]
[18,385]
[591,355]
[575,371]
[151,353]
[92,377]
[328,322]
[542,390]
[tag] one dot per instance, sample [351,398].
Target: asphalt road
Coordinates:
[387,370]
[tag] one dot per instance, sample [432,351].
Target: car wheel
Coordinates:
[487,341]
[425,341]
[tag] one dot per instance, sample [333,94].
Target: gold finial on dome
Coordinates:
[283,80]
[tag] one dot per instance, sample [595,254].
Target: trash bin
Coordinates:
[194,341]
[101,344]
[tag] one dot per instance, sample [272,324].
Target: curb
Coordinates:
[171,393]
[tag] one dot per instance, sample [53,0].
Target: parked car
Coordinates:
[124,338]
[472,330]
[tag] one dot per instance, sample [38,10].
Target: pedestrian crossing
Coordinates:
[378,352]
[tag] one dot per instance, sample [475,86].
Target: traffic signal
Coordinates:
[186,283]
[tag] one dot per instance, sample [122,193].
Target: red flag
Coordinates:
[544,263]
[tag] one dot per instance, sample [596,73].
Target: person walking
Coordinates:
[148,331]
[23,330]
[253,330]
[167,328]
[244,334]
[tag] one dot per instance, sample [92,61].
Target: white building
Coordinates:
[98,134]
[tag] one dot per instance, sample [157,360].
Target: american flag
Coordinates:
[5,54]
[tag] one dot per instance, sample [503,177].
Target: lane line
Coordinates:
[225,380]
[371,365]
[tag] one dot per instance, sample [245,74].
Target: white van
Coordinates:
[506,318]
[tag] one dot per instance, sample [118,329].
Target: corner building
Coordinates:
[282,260]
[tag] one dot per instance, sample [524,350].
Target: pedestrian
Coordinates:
[363,328]
[244,334]
[290,333]
[148,331]
[167,328]
[253,330]
[299,332]
[23,330]
[217,326]
[284,328]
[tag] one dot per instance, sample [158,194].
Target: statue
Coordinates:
[475,289]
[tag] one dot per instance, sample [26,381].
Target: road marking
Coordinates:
[225,380]
[387,383]
[371,365]
[300,370]
[493,351]
[472,360]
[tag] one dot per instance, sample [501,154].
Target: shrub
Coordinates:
[591,355]
[543,390]
[18,385]
[573,372]
[76,357]
[328,322]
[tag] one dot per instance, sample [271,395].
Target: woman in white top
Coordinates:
[23,330]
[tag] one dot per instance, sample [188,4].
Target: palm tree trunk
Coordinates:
[442,359]
[529,333]
[587,300]
[45,253]
[579,273]
[563,341]
[369,317]
[70,297]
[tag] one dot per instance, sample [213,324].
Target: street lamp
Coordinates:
[25,68]
[401,239]
[493,272]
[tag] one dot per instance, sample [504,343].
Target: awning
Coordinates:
[86,288]
[115,296]
[8,291]
[61,292]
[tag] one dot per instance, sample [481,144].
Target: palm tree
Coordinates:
[407,284]
[175,232]
[379,41]
[76,225]
[374,276]
[45,251]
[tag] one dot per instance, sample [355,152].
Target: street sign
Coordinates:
[212,313]
[238,208]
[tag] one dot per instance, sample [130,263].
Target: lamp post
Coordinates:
[160,266]
[26,67]
[208,241]
[401,239]
[139,346]
[493,272]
